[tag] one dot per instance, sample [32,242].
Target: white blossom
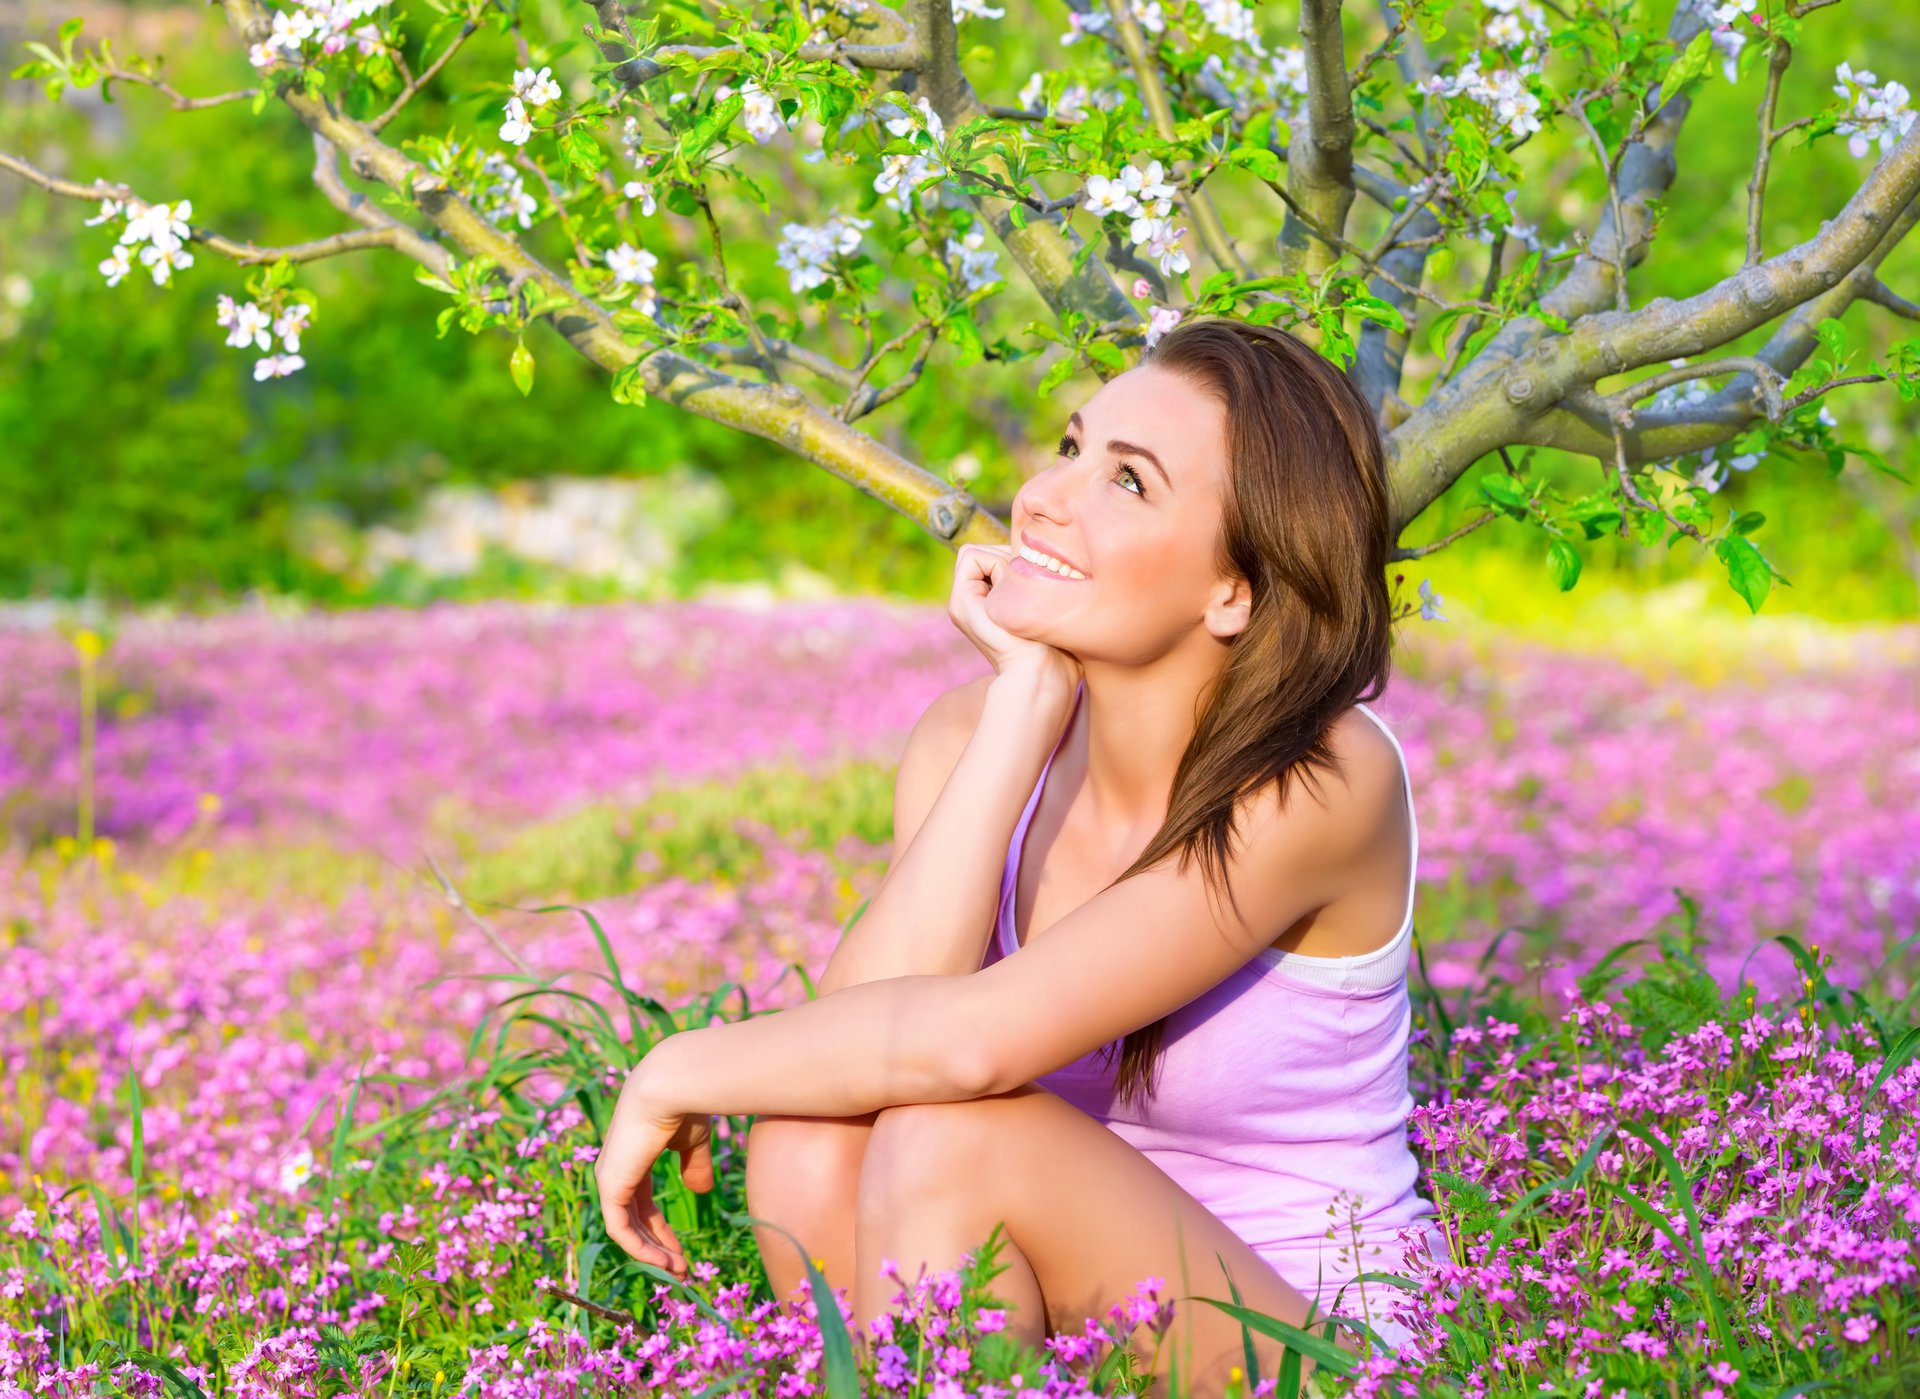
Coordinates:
[631,264]
[109,209]
[905,123]
[158,223]
[807,251]
[1106,195]
[246,325]
[288,323]
[1163,243]
[117,264]
[902,173]
[1431,603]
[507,196]
[975,9]
[275,366]
[1289,70]
[1149,188]
[290,31]
[535,89]
[165,258]
[516,128]
[1234,21]
[1503,91]
[1070,106]
[1518,24]
[642,191]
[979,264]
[296,1168]
[760,113]
[1161,320]
[1879,113]
[1092,22]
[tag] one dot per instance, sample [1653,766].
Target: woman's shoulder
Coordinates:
[1348,805]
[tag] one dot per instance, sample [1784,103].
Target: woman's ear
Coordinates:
[1231,606]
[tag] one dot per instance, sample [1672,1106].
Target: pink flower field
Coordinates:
[258,1137]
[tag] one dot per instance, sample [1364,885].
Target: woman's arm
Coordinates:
[935,908]
[1128,956]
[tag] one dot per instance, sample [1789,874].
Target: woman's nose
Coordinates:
[1048,492]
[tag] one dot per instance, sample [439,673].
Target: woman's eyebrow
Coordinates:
[1128,449]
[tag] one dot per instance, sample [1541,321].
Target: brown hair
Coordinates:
[1306,522]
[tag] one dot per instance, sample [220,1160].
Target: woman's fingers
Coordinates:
[696,1164]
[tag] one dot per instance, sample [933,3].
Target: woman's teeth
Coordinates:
[1050,563]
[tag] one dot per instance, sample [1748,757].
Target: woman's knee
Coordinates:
[918,1150]
[803,1165]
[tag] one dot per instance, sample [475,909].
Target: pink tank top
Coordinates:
[1281,1101]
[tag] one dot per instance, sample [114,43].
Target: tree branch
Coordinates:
[414,85]
[1764,374]
[1043,250]
[1146,73]
[246,254]
[1467,419]
[406,239]
[1381,357]
[1320,170]
[1779,55]
[904,54]
[1420,551]
[1880,294]
[1659,434]
[181,102]
[779,412]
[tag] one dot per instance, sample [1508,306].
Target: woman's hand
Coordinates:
[977,571]
[640,1133]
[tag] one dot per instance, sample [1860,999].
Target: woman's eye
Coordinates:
[1129,472]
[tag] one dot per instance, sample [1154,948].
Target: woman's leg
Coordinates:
[801,1174]
[1087,1218]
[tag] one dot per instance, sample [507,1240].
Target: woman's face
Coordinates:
[1143,534]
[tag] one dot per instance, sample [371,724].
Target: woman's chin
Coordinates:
[1015,617]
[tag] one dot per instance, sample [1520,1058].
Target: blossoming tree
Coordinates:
[1390,146]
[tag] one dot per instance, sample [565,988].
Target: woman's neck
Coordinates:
[1127,738]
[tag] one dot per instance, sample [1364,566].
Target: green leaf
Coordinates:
[582,151]
[1322,1352]
[967,346]
[1563,562]
[1505,491]
[1832,335]
[1687,68]
[521,367]
[1106,354]
[1747,569]
[629,385]
[1061,371]
[1258,159]
[1747,522]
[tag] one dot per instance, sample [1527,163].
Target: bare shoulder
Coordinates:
[938,738]
[1332,817]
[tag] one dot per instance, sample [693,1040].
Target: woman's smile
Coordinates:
[1045,564]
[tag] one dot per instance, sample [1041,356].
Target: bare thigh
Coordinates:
[802,1174]
[1091,1215]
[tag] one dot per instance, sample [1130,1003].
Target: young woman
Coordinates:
[1135,983]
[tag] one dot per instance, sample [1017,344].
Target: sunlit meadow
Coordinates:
[324,942]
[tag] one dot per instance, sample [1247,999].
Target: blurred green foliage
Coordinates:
[139,461]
